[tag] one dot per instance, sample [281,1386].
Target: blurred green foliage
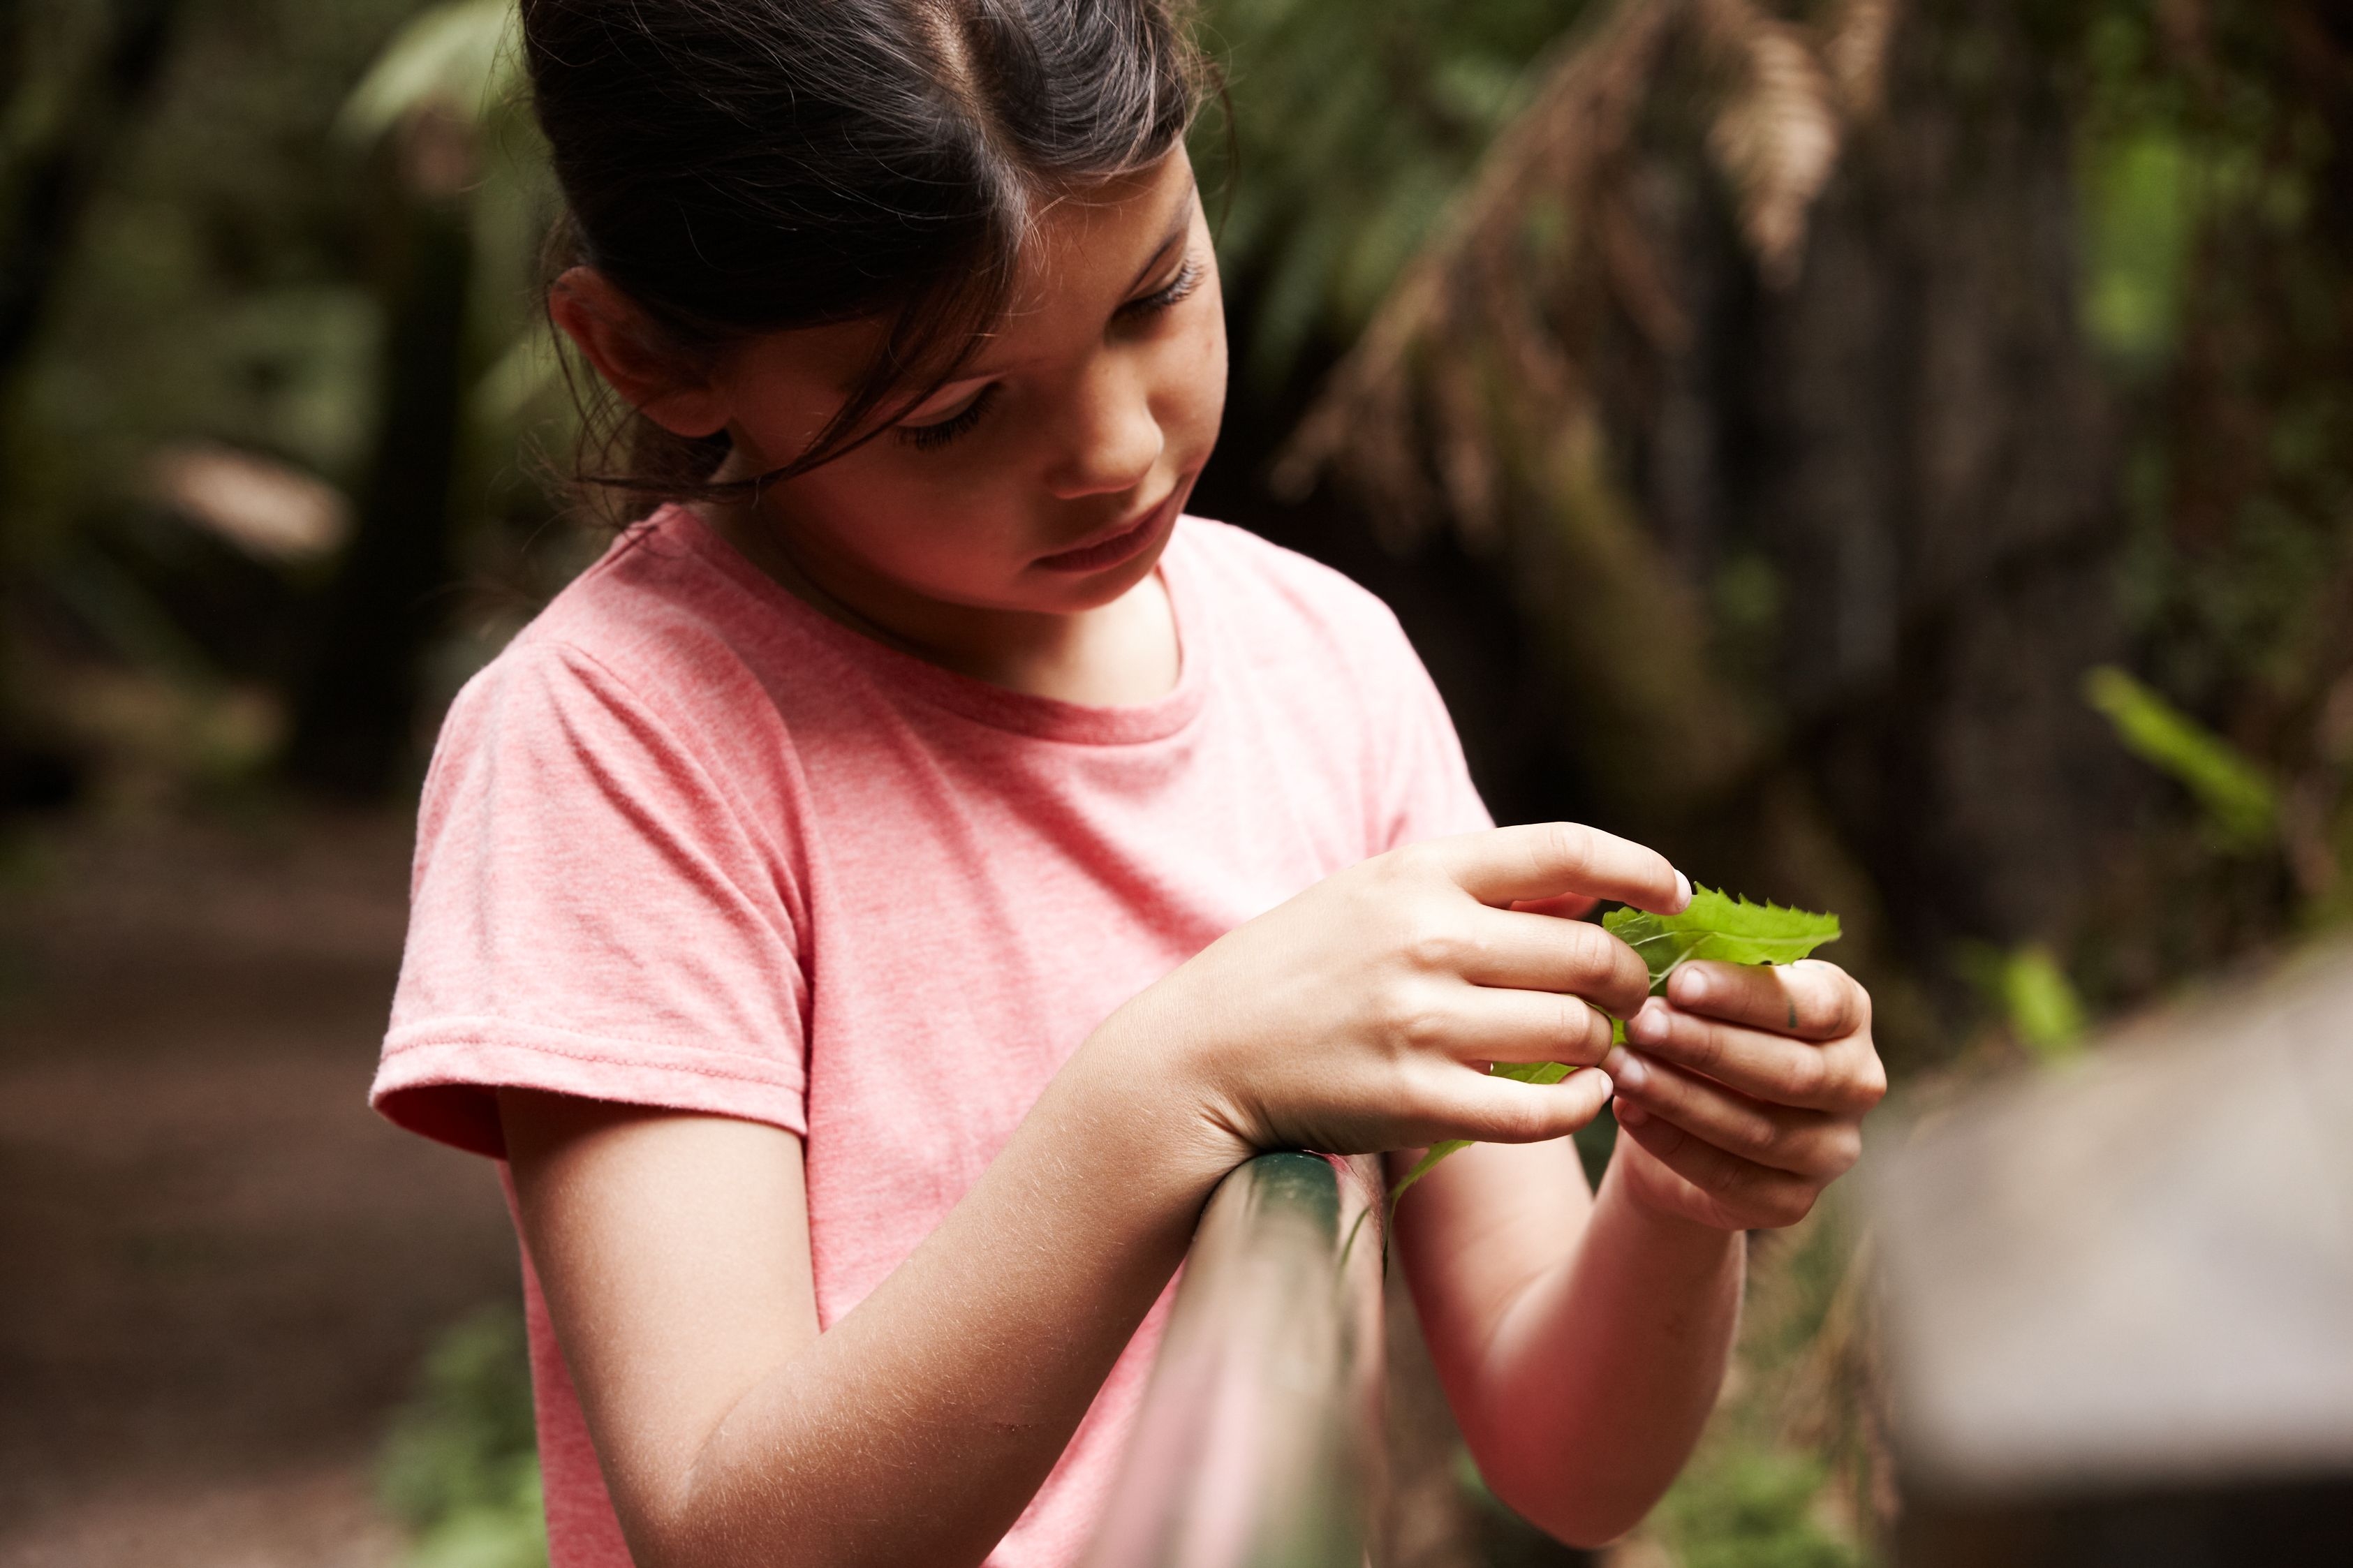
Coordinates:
[2140,226]
[2212,255]
[2031,993]
[2214,166]
[461,1465]
[217,286]
[2237,796]
[1751,1508]
[2042,1002]
[465,55]
[228,287]
[1352,127]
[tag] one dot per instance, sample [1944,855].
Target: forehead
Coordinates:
[1100,236]
[1082,253]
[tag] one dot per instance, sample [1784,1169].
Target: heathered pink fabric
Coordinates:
[687,843]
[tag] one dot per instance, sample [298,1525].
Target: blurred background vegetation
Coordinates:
[1896,456]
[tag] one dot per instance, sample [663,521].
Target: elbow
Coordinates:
[687,1530]
[1584,1527]
[654,1543]
[1590,1532]
[1576,1506]
[672,1544]
[1581,1523]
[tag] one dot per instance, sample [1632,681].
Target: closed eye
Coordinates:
[1189,278]
[940,432]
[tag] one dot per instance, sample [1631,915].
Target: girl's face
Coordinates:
[1045,480]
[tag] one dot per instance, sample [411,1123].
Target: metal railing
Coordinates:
[1259,1439]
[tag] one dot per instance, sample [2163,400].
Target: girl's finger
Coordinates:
[1756,1196]
[1803,1143]
[1843,1077]
[1548,860]
[1505,1111]
[1487,1023]
[1539,952]
[1811,999]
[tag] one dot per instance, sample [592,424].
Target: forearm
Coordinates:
[1359,1016]
[1597,1375]
[918,1425]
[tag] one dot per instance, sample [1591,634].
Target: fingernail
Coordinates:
[1695,985]
[1649,1023]
[1631,1075]
[1683,892]
[1609,1086]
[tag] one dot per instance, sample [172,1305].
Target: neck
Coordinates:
[1119,653]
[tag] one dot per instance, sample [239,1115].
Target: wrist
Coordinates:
[1132,1073]
[1655,1200]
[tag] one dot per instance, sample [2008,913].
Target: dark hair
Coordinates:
[743,166]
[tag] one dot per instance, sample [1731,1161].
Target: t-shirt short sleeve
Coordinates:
[594,912]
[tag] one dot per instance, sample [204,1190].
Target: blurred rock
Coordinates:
[2120,1296]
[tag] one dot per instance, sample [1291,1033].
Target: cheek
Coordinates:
[890,514]
[1196,383]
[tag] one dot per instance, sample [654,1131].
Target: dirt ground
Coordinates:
[217,1267]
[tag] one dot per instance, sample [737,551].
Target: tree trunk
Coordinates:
[356,721]
[1913,434]
[43,194]
[47,192]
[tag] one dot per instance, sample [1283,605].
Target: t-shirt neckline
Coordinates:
[981,702]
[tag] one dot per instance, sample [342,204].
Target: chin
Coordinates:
[1093,590]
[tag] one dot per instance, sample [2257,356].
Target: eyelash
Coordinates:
[929,437]
[1187,279]
[926,437]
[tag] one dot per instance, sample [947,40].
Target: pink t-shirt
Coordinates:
[688,843]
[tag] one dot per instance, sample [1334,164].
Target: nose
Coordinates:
[1113,438]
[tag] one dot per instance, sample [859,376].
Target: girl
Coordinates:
[871,909]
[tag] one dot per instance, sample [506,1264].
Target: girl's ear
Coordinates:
[612,331]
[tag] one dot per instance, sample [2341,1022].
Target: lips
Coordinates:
[1124,544]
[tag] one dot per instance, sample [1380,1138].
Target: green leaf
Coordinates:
[1526,1072]
[1422,1167]
[1533,1072]
[1715,926]
[1720,928]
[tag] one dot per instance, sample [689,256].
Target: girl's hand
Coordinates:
[1361,1016]
[1742,1091]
